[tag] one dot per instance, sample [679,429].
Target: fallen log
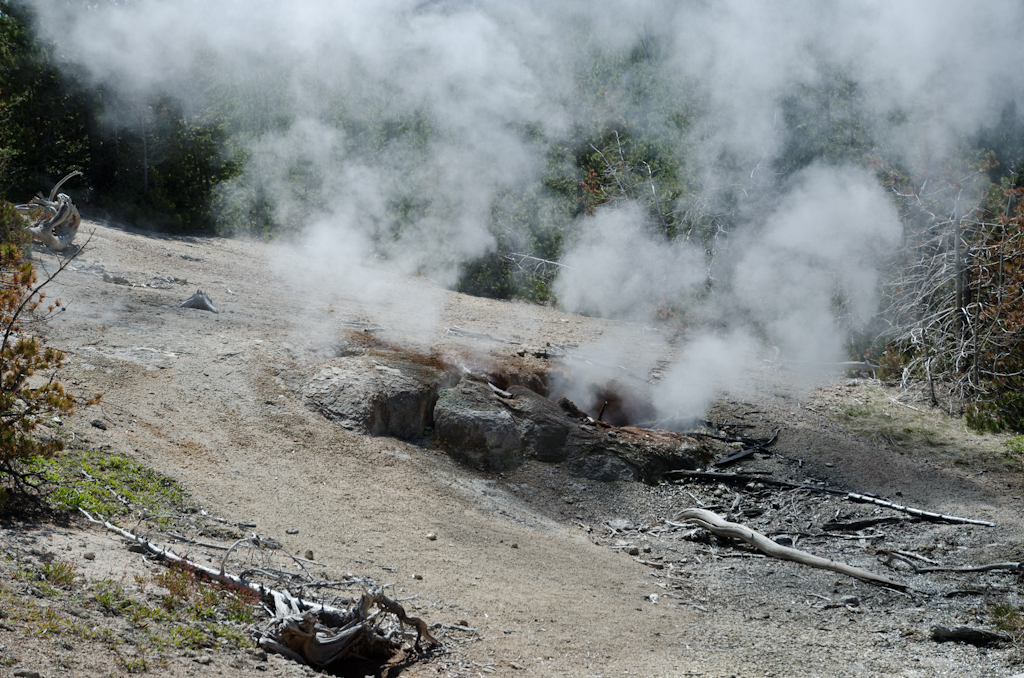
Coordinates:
[927,515]
[966,634]
[714,523]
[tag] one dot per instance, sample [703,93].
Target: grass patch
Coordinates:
[869,411]
[1010,620]
[59,572]
[106,483]
[146,618]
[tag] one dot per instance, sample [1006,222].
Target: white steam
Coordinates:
[477,72]
[816,259]
[619,267]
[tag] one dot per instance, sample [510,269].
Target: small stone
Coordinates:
[515,546]
[418,576]
[647,549]
[784,541]
[308,555]
[89,555]
[634,551]
[26,673]
[517,667]
[568,500]
[204,659]
[431,536]
[620,524]
[99,423]
[852,601]
[291,531]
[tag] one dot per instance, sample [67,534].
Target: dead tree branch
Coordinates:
[714,523]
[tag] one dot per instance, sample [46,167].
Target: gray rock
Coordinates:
[200,300]
[380,392]
[474,427]
[543,425]
[607,453]
[604,466]
[620,524]
[390,393]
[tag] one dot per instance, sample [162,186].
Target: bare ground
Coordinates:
[536,561]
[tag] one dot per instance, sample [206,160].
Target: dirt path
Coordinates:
[525,559]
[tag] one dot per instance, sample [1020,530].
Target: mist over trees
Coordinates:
[746,170]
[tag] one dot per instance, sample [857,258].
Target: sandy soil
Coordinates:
[527,559]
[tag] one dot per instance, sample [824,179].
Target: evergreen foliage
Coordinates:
[31,399]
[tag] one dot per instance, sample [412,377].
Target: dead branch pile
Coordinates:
[313,632]
[373,628]
[54,220]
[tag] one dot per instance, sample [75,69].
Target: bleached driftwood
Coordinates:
[307,631]
[714,523]
[57,225]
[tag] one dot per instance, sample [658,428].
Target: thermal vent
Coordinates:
[620,407]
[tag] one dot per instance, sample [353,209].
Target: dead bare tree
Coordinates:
[947,288]
[54,220]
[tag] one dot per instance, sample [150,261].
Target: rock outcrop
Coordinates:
[380,392]
[390,393]
[476,430]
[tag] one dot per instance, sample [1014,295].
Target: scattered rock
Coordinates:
[89,555]
[634,551]
[852,601]
[27,673]
[200,300]
[291,531]
[431,536]
[309,554]
[203,659]
[99,423]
